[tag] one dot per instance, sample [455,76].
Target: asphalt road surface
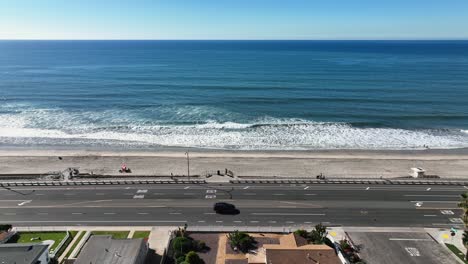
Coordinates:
[260,205]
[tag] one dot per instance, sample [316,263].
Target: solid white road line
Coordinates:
[430,215]
[100,221]
[435,201]
[209,213]
[310,194]
[77,213]
[249,194]
[109,213]
[253,221]
[430,195]
[296,214]
[410,239]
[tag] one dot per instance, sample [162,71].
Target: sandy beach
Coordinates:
[295,164]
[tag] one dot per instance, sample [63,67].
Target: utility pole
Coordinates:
[188,165]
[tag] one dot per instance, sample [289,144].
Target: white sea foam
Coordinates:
[264,134]
[26,124]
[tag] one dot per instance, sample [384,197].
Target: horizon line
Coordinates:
[130,39]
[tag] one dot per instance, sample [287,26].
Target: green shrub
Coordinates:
[182,245]
[193,258]
[241,241]
[301,232]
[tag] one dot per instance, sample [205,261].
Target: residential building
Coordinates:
[103,249]
[24,253]
[294,249]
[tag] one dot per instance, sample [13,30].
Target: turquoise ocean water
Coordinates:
[258,95]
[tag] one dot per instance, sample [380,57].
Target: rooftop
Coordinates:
[105,250]
[24,253]
[294,249]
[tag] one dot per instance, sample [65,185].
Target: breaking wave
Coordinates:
[54,126]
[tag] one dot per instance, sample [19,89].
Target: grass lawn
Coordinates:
[25,237]
[457,252]
[76,243]
[141,234]
[115,234]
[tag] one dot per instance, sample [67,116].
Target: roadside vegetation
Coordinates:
[141,234]
[75,245]
[37,237]
[463,204]
[114,234]
[319,236]
[457,252]
[241,241]
[5,228]
[72,235]
[185,248]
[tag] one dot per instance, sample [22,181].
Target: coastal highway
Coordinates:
[288,205]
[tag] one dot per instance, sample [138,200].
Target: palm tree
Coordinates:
[465,243]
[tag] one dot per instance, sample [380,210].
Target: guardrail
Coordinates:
[350,181]
[79,183]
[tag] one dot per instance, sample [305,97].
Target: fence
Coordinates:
[349,181]
[109,182]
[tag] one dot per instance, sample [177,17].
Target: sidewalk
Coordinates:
[159,238]
[443,236]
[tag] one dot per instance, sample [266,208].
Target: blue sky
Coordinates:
[234,19]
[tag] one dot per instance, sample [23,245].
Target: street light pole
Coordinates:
[188,165]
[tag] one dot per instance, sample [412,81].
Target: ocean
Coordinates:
[242,95]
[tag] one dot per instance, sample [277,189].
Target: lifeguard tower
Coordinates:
[418,173]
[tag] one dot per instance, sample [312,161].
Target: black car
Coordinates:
[225,208]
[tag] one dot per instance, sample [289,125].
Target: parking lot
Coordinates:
[398,247]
